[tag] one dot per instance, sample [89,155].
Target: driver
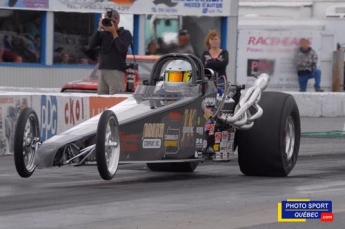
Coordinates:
[177,77]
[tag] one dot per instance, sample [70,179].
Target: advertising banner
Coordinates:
[55,113]
[272,52]
[161,7]
[25,4]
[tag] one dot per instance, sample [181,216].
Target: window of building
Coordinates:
[72,32]
[20,36]
[161,32]
[71,38]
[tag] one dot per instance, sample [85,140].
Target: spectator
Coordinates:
[152,48]
[215,58]
[65,58]
[84,61]
[162,47]
[306,61]
[33,28]
[37,45]
[7,55]
[113,42]
[184,45]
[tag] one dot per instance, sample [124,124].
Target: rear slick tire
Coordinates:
[271,146]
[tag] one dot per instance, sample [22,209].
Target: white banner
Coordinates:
[161,7]
[272,52]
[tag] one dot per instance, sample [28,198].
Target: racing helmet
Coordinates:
[178,73]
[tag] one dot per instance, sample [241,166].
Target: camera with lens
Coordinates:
[107,21]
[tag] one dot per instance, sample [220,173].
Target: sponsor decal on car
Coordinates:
[210,102]
[74,111]
[152,143]
[210,127]
[171,141]
[199,143]
[200,130]
[188,126]
[129,142]
[223,147]
[204,144]
[49,117]
[225,136]
[216,147]
[217,137]
[153,134]
[174,116]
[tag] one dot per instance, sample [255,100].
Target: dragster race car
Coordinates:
[178,118]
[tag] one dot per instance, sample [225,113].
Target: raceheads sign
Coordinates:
[161,7]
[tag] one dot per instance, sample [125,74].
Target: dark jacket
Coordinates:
[112,52]
[216,64]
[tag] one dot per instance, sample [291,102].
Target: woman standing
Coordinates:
[215,58]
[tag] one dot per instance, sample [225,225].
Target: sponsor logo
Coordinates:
[218,137]
[257,66]
[188,127]
[225,136]
[200,130]
[153,130]
[216,147]
[98,104]
[210,102]
[152,135]
[74,111]
[171,140]
[49,117]
[6,100]
[152,143]
[210,127]
[174,116]
[275,41]
[199,143]
[169,3]
[223,147]
[129,142]
[204,144]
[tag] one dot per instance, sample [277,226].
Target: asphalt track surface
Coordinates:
[215,196]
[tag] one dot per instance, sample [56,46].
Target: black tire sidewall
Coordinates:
[18,141]
[261,149]
[100,144]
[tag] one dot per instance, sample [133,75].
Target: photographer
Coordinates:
[113,42]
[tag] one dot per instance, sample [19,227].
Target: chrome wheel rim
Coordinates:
[30,134]
[290,137]
[112,146]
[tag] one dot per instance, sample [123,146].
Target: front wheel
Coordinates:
[271,147]
[25,141]
[107,145]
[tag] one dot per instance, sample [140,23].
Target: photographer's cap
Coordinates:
[113,13]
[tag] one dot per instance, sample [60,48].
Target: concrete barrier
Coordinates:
[57,112]
[316,104]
